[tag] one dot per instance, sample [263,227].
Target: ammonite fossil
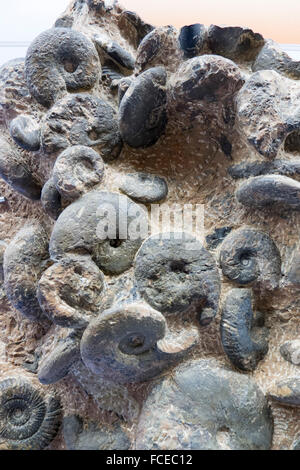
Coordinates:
[28,420]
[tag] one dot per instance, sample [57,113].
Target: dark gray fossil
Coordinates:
[203,406]
[272,57]
[51,199]
[82,226]
[131,343]
[143,187]
[174,273]
[243,336]
[25,259]
[28,421]
[60,60]
[192,39]
[249,256]
[258,168]
[271,191]
[77,170]
[142,112]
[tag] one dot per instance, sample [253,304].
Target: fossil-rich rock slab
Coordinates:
[205,407]
[143,187]
[290,351]
[93,436]
[243,337]
[287,392]
[174,273]
[272,57]
[81,119]
[250,257]
[268,111]
[271,191]
[60,60]
[142,112]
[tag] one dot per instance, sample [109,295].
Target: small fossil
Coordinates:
[243,337]
[249,256]
[28,421]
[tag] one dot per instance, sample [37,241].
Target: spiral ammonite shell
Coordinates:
[28,421]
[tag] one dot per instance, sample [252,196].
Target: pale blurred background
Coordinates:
[22,20]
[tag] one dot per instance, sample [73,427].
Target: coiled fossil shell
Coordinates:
[58,60]
[25,259]
[249,256]
[70,291]
[243,340]
[130,343]
[77,170]
[28,421]
[51,199]
[82,225]
[174,271]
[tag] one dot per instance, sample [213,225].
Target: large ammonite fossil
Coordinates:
[124,322]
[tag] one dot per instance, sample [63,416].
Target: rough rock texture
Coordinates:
[218,120]
[204,406]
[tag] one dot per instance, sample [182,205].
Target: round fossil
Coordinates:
[144,187]
[290,351]
[174,272]
[81,119]
[51,199]
[249,256]
[28,421]
[70,291]
[25,259]
[56,365]
[60,60]
[243,337]
[192,39]
[130,343]
[77,170]
[83,226]
[203,406]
